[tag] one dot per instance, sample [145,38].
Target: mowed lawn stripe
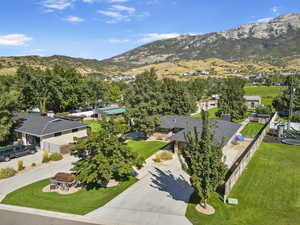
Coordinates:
[268,191]
[146,148]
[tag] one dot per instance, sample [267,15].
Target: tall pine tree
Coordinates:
[204,159]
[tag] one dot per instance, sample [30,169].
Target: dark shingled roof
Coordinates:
[37,125]
[220,128]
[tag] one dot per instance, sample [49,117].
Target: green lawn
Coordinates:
[272,91]
[267,93]
[211,113]
[146,148]
[80,203]
[94,124]
[251,129]
[268,191]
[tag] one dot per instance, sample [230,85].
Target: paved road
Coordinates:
[11,215]
[159,198]
[27,161]
[28,177]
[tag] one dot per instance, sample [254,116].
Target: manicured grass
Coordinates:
[267,191]
[272,91]
[146,148]
[94,124]
[251,129]
[211,113]
[267,93]
[80,203]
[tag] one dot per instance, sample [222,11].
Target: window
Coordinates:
[57,134]
[74,130]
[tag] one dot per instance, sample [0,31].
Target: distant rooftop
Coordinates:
[115,111]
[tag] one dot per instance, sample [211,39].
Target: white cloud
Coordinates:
[14,39]
[119,1]
[74,19]
[57,4]
[114,17]
[275,9]
[124,8]
[156,36]
[264,20]
[110,13]
[88,1]
[119,13]
[118,41]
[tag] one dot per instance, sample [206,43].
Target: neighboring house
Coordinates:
[48,133]
[208,104]
[252,101]
[84,112]
[259,118]
[179,126]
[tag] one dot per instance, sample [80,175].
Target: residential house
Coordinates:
[179,126]
[210,103]
[48,133]
[252,101]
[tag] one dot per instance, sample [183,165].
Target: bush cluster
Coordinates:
[7,172]
[166,155]
[56,157]
[45,157]
[20,165]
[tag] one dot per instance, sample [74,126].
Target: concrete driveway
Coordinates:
[36,174]
[27,161]
[160,197]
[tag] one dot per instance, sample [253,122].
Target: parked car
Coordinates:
[15,151]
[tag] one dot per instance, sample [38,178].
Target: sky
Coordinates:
[101,29]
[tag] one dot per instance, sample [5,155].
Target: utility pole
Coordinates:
[291,102]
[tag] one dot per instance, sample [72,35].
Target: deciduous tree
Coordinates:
[104,155]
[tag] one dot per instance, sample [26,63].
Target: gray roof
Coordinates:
[252,98]
[37,125]
[220,128]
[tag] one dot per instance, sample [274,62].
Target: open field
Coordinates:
[146,148]
[251,130]
[80,203]
[268,191]
[267,93]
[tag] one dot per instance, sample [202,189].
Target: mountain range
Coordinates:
[277,39]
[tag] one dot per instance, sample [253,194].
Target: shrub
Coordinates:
[157,158]
[166,155]
[45,157]
[296,118]
[56,157]
[66,149]
[33,164]
[20,165]
[7,172]
[264,109]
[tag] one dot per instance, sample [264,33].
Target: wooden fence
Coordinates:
[242,162]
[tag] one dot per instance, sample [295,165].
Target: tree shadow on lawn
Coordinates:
[177,187]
